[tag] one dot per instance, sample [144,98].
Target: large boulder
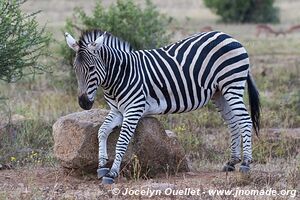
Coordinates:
[151,151]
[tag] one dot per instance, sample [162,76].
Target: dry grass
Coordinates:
[44,183]
[276,68]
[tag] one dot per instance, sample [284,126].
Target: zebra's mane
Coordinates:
[111,40]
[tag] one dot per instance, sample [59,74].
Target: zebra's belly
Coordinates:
[153,108]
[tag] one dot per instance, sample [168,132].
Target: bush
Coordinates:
[257,11]
[143,28]
[21,42]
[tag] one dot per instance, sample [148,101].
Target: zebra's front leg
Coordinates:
[127,130]
[112,120]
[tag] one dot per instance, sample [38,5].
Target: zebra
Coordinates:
[176,78]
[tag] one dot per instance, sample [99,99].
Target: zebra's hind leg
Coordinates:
[244,125]
[225,110]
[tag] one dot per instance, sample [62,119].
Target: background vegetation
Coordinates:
[140,26]
[22,45]
[245,11]
[22,42]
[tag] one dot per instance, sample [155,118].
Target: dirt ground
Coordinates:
[205,180]
[55,183]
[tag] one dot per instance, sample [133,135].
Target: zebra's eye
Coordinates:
[91,68]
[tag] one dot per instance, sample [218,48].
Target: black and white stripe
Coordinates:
[177,78]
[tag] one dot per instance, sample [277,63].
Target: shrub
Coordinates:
[21,42]
[257,11]
[143,28]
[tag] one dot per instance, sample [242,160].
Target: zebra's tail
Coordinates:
[254,103]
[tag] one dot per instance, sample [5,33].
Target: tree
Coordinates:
[258,11]
[22,43]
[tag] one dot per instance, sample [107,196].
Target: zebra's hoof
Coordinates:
[102,172]
[228,168]
[107,180]
[244,169]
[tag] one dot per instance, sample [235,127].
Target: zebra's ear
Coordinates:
[97,43]
[71,42]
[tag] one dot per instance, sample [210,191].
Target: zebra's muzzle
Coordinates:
[84,102]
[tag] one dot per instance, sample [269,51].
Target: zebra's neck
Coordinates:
[120,68]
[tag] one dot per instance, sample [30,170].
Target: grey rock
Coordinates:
[152,151]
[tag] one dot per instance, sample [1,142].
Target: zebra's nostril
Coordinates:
[84,102]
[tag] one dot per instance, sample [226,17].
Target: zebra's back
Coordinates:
[185,75]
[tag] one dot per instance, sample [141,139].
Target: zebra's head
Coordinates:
[88,65]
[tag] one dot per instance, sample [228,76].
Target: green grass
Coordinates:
[267,149]
[27,142]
